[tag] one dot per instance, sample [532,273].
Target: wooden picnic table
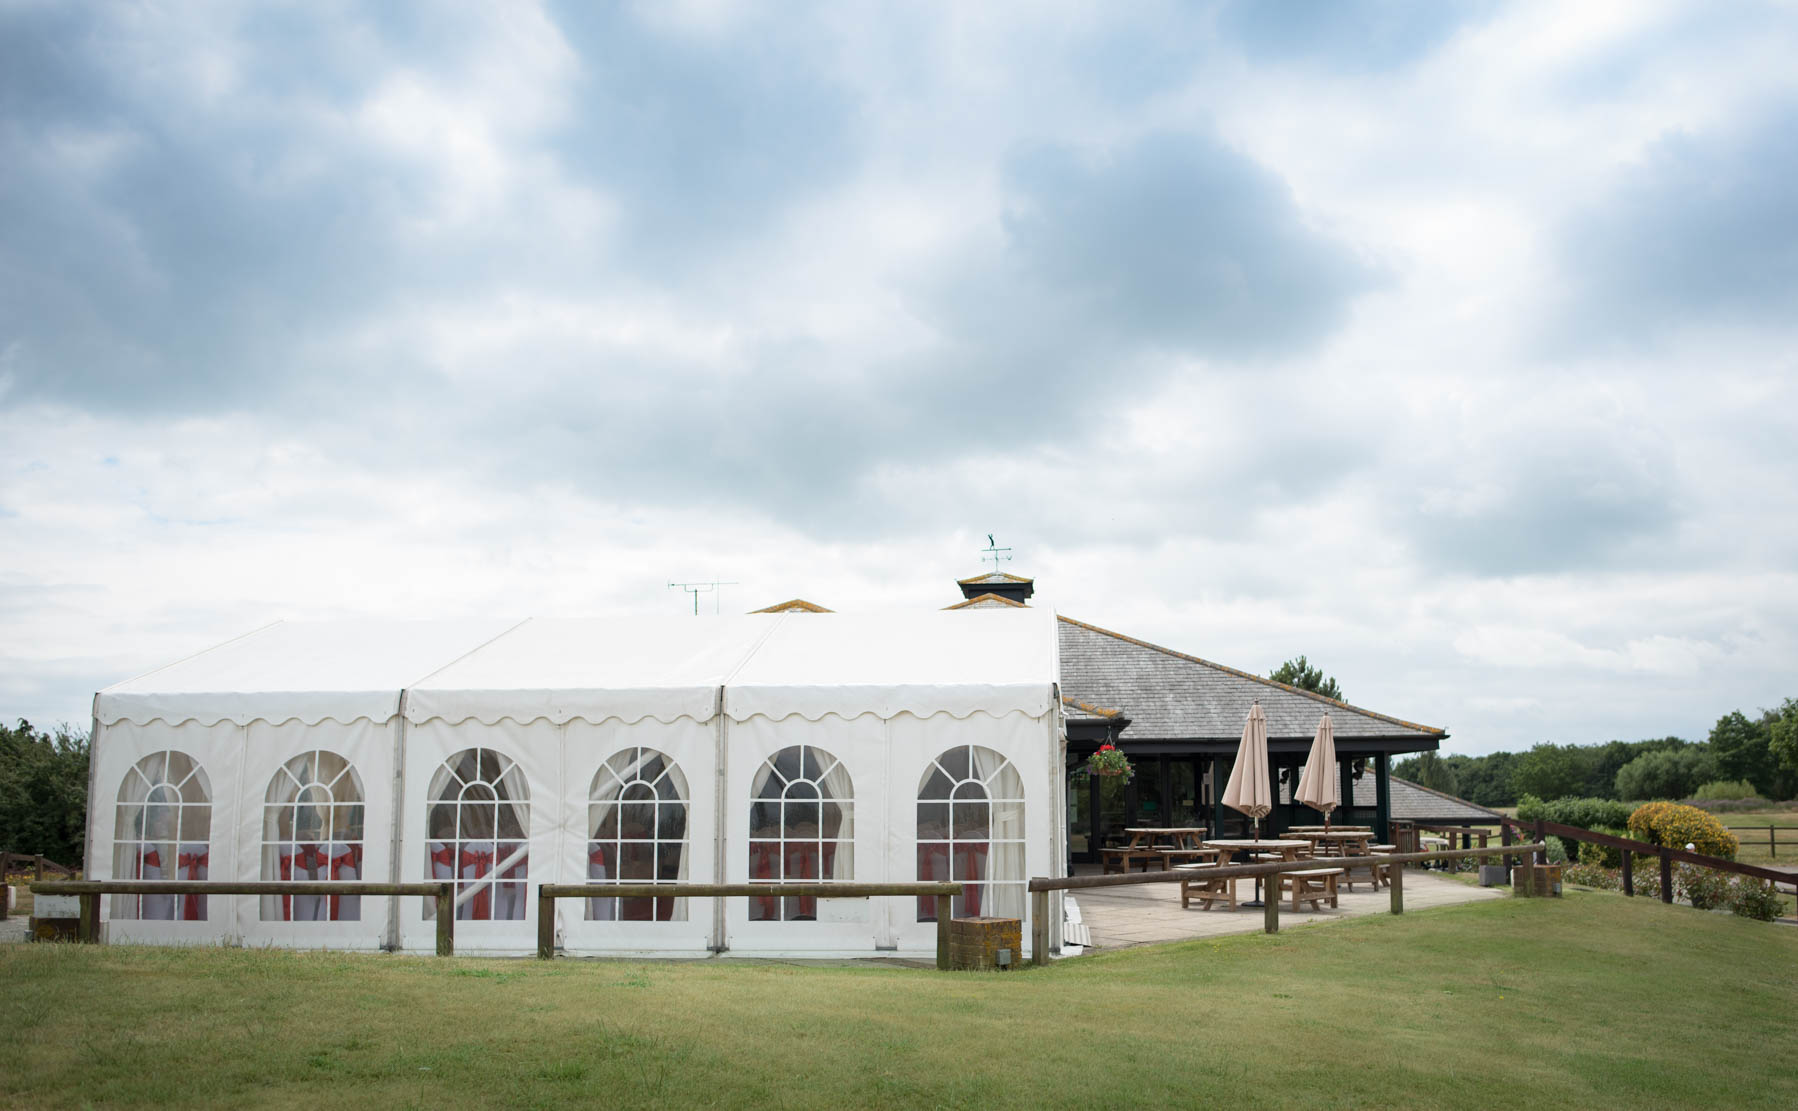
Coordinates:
[1143,845]
[1285,847]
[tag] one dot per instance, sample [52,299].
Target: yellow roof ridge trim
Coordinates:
[991,575]
[1099,711]
[1313,695]
[792,604]
[986,598]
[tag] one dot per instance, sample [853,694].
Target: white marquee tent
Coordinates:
[873,748]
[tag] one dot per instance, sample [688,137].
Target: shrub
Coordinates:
[1739,806]
[1603,855]
[1701,887]
[1725,789]
[1557,850]
[1591,875]
[1647,882]
[1676,825]
[1752,898]
[1584,813]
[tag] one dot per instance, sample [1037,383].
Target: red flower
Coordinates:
[1106,748]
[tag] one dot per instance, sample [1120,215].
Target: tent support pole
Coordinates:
[395,866]
[721,786]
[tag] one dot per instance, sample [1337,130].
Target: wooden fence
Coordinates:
[88,927]
[1631,849]
[1773,841]
[548,893]
[1041,886]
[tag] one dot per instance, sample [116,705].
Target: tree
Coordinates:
[1744,750]
[1667,773]
[1551,771]
[43,792]
[1783,735]
[1433,772]
[1298,672]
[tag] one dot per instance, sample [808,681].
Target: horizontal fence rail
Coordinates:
[1041,886]
[1667,856]
[87,928]
[548,893]
[1771,831]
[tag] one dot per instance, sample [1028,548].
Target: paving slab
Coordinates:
[1150,913]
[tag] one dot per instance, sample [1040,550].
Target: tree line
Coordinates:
[43,792]
[1761,751]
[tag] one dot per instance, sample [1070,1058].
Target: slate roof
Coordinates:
[1413,802]
[1171,696]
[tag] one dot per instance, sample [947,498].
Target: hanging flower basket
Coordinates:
[1109,761]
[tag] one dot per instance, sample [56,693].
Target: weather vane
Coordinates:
[696,589]
[994,552]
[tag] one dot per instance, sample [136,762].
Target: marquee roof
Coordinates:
[774,665]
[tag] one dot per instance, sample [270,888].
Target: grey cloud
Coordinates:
[1346,34]
[706,141]
[1181,242]
[1572,503]
[1703,230]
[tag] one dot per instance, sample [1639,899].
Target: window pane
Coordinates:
[801,819]
[637,821]
[764,819]
[971,820]
[933,821]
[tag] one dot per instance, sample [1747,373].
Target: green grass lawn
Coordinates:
[1588,1001]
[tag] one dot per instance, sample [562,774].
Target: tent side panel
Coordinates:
[351,765]
[218,751]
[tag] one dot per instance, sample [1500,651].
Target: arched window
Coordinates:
[478,834]
[312,830]
[801,827]
[164,832]
[637,832]
[971,828]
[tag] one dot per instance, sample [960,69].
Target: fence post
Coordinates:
[90,916]
[446,920]
[1039,928]
[1504,836]
[1772,845]
[942,933]
[1629,872]
[546,923]
[1666,877]
[1395,879]
[1270,904]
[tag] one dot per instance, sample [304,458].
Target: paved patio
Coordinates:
[1123,916]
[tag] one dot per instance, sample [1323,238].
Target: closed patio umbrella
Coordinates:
[1319,787]
[1249,790]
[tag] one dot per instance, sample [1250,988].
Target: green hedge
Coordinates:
[1584,813]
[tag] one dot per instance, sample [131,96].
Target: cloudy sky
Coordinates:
[1455,346]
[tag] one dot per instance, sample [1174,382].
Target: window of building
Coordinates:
[478,829]
[637,832]
[971,828]
[163,832]
[312,831]
[801,827]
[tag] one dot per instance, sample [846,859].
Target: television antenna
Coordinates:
[696,589]
[994,552]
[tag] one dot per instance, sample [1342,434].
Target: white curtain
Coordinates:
[837,786]
[1005,855]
